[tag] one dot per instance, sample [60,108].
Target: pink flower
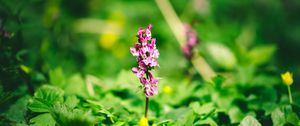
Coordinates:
[146,52]
[142,65]
[149,26]
[150,85]
[134,50]
[151,80]
[138,72]
[150,90]
[153,43]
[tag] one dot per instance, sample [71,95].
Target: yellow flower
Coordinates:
[108,40]
[154,124]
[167,89]
[287,78]
[143,121]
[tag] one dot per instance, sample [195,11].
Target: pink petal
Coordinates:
[143,80]
[138,72]
[149,26]
[134,52]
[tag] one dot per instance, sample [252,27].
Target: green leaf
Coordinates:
[127,80]
[180,116]
[96,103]
[106,112]
[293,119]
[249,121]
[278,117]
[42,120]
[17,111]
[65,116]
[189,118]
[21,124]
[25,69]
[45,97]
[235,114]
[76,86]
[245,74]
[222,55]
[38,106]
[262,54]
[203,109]
[176,114]
[4,96]
[207,121]
[57,77]
[72,101]
[120,123]
[49,94]
[155,107]
[186,119]
[218,81]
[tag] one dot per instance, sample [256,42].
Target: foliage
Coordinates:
[67,63]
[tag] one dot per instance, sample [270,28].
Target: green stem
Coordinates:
[146,107]
[147,99]
[173,20]
[290,94]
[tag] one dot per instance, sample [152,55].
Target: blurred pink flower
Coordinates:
[191,41]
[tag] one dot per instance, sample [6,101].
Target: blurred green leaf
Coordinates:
[42,120]
[261,54]
[76,86]
[218,81]
[245,74]
[205,109]
[18,110]
[57,77]
[155,107]
[177,114]
[119,123]
[249,121]
[72,101]
[187,120]
[4,96]
[293,119]
[26,69]
[126,79]
[278,117]
[235,114]
[222,55]
[208,121]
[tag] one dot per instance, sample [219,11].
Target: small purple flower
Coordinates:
[150,90]
[134,50]
[138,72]
[146,52]
[191,41]
[150,85]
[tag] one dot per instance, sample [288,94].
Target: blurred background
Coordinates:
[94,36]
[91,36]
[249,42]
